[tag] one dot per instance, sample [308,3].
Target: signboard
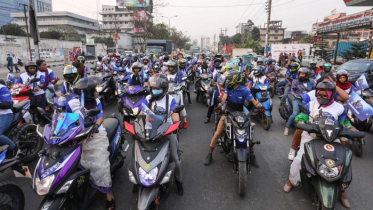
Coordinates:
[277,49]
[132,3]
[140,19]
[358,2]
[66,59]
[350,22]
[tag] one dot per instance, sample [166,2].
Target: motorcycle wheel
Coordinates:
[26,135]
[358,148]
[320,206]
[272,92]
[266,122]
[242,178]
[11,197]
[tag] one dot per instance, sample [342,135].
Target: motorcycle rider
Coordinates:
[202,69]
[176,76]
[327,67]
[157,100]
[147,66]
[313,68]
[6,118]
[50,80]
[325,92]
[236,96]
[81,59]
[343,83]
[258,77]
[138,76]
[259,62]
[291,74]
[299,86]
[182,67]
[95,155]
[70,73]
[106,66]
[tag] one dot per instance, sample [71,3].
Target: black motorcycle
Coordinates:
[237,143]
[104,89]
[202,84]
[325,166]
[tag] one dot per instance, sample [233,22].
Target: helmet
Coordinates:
[258,70]
[166,58]
[342,73]
[295,65]
[145,58]
[200,61]
[81,58]
[30,63]
[313,62]
[234,78]
[205,64]
[306,71]
[158,80]
[136,65]
[99,58]
[217,63]
[70,73]
[172,63]
[182,61]
[329,88]
[269,61]
[88,86]
[327,67]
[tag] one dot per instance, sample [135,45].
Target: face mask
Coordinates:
[157,92]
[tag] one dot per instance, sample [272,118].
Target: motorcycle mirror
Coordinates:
[34,80]
[184,78]
[128,109]
[93,112]
[303,108]
[178,109]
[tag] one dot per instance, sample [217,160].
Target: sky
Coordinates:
[198,18]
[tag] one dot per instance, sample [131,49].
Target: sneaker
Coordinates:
[180,188]
[280,96]
[185,125]
[208,159]
[207,120]
[287,188]
[291,154]
[286,131]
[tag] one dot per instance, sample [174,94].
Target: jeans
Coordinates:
[10,67]
[279,85]
[296,111]
[287,90]
[16,67]
[35,102]
[5,121]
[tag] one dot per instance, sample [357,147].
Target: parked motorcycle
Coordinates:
[58,175]
[237,142]
[326,165]
[202,84]
[261,94]
[133,96]
[151,169]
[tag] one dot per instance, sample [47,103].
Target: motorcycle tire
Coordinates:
[266,122]
[28,133]
[282,111]
[358,147]
[319,205]
[272,92]
[242,178]
[15,193]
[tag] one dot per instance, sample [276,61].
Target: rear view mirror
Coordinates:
[34,80]
[93,112]
[178,108]
[303,108]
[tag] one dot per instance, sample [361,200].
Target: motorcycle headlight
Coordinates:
[328,172]
[43,186]
[241,135]
[65,187]
[135,110]
[132,177]
[99,89]
[148,179]
[166,177]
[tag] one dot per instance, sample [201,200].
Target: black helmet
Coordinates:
[306,71]
[99,58]
[205,64]
[217,62]
[158,80]
[136,65]
[325,86]
[295,65]
[172,63]
[31,63]
[166,58]
[88,86]
[234,78]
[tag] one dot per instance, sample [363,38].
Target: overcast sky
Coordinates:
[197,17]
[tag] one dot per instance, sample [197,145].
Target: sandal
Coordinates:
[110,205]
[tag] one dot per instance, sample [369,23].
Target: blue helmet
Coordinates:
[258,70]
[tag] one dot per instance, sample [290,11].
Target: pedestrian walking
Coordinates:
[15,63]
[10,63]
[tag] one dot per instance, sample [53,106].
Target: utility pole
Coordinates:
[226,39]
[268,8]
[28,36]
[214,42]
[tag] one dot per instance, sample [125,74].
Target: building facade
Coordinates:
[205,43]
[81,24]
[43,5]
[115,19]
[276,33]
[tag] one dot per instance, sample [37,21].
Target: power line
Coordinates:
[170,5]
[242,14]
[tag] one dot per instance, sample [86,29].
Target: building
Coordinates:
[276,33]
[116,19]
[205,43]
[8,7]
[81,24]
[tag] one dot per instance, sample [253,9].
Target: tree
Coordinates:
[12,29]
[307,39]
[108,41]
[235,39]
[159,31]
[50,35]
[67,32]
[356,50]
[252,44]
[255,34]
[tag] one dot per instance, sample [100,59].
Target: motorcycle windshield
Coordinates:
[172,87]
[133,89]
[149,126]
[66,125]
[262,87]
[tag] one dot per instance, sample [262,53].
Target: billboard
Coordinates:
[350,22]
[358,2]
[132,3]
[303,49]
[139,18]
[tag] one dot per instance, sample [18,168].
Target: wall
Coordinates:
[50,49]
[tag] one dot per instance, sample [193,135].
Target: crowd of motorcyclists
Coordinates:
[227,88]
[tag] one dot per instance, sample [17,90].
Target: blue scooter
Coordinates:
[262,95]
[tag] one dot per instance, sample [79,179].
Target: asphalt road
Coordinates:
[216,186]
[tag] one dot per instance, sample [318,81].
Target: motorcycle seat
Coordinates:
[18,107]
[290,97]
[111,126]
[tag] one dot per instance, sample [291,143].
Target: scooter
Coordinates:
[106,93]
[202,84]
[151,169]
[133,96]
[58,176]
[326,165]
[262,95]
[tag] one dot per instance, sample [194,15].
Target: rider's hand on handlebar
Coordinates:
[36,88]
[257,105]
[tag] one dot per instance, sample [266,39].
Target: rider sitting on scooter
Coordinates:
[299,86]
[70,73]
[138,77]
[157,100]
[258,77]
[291,74]
[343,83]
[313,68]
[95,155]
[81,59]
[107,67]
[6,118]
[327,71]
[325,93]
[182,67]
[236,96]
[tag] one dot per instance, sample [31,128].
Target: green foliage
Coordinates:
[159,31]
[50,35]
[307,39]
[252,44]
[12,29]
[255,34]
[356,50]
[67,32]
[235,39]
[108,41]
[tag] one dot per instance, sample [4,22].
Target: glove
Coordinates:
[301,117]
[95,129]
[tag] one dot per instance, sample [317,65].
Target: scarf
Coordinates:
[344,86]
[329,92]
[47,79]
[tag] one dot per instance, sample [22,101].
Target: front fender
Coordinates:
[327,192]
[242,154]
[56,202]
[146,197]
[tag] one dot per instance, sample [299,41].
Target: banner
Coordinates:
[297,49]
[359,107]
[133,3]
[66,59]
[361,82]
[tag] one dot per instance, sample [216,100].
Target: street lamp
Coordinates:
[169,22]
